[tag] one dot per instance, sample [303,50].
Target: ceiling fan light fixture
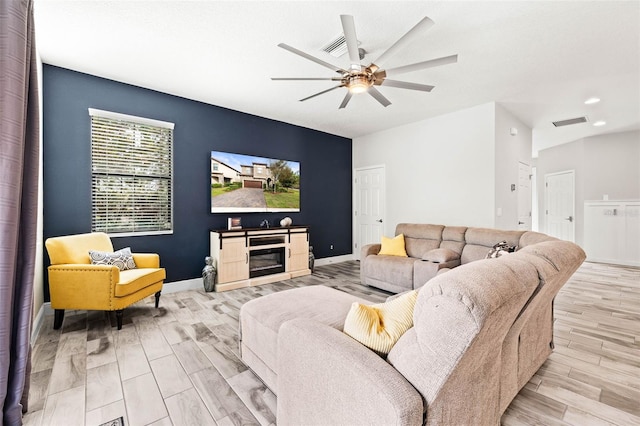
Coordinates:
[358,84]
[359,78]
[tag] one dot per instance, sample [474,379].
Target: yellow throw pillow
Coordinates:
[393,246]
[379,327]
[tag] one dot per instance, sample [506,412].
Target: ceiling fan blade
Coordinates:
[378,96]
[407,85]
[423,65]
[321,93]
[346,100]
[312,58]
[307,78]
[414,32]
[349,30]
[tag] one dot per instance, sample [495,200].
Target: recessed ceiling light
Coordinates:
[599,123]
[592,101]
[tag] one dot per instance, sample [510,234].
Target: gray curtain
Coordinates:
[19,138]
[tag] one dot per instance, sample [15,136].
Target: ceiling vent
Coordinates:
[337,47]
[570,121]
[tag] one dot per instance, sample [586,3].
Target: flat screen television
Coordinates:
[244,183]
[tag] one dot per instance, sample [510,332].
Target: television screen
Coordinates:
[244,183]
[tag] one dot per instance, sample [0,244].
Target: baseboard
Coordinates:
[334,259]
[190,284]
[38,320]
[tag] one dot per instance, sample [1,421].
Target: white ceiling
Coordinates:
[539,59]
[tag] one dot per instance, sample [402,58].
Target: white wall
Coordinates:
[439,170]
[607,164]
[509,150]
[612,166]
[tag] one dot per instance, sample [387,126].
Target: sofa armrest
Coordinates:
[146,260]
[369,249]
[326,377]
[82,286]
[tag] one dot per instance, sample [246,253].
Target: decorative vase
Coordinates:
[286,222]
[312,259]
[209,274]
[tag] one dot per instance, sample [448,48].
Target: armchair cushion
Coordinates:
[121,258]
[133,280]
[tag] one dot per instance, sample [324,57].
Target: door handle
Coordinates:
[570,218]
[379,220]
[520,223]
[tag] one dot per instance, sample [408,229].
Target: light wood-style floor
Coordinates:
[180,365]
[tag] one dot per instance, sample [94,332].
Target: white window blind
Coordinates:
[131,174]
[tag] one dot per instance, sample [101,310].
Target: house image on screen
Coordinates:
[257,175]
[222,173]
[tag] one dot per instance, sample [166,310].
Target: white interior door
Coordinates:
[370,206]
[560,205]
[524,196]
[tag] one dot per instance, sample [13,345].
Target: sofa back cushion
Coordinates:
[531,237]
[479,242]
[419,238]
[453,238]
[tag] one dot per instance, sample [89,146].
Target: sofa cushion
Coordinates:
[441,255]
[420,238]
[481,240]
[453,238]
[393,246]
[261,318]
[379,326]
[531,237]
[390,269]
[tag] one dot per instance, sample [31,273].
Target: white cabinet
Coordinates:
[233,262]
[612,232]
[255,256]
[298,252]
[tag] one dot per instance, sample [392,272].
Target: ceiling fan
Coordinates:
[359,78]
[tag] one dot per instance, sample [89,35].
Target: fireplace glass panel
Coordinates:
[266,262]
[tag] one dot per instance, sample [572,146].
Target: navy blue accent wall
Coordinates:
[325,167]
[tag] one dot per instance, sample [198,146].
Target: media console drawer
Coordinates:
[254,256]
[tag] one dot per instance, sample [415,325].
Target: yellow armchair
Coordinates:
[74,283]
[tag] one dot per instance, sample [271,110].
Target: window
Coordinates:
[215,167]
[131,174]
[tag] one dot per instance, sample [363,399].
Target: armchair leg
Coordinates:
[119,318]
[158,298]
[57,318]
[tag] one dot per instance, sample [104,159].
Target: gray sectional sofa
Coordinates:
[432,249]
[480,332]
